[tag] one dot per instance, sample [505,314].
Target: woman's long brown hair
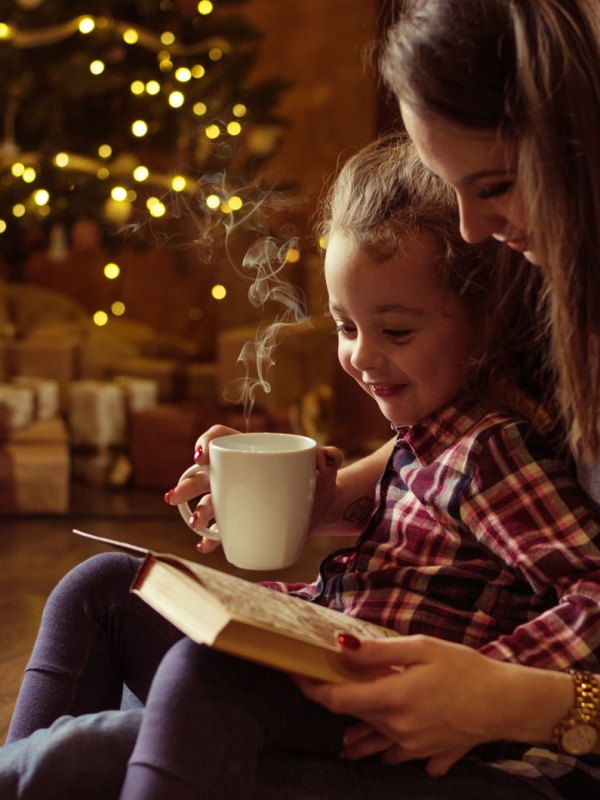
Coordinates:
[529,69]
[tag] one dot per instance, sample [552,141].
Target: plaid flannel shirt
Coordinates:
[479,536]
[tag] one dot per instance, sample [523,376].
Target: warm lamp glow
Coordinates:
[205,7]
[141,173]
[176,99]
[61,160]
[100,318]
[235,203]
[112,271]
[292,256]
[213,201]
[139,128]
[183,74]
[219,292]
[86,24]
[212,131]
[41,197]
[105,151]
[155,207]
[234,128]
[130,36]
[97,67]
[118,308]
[178,183]
[119,193]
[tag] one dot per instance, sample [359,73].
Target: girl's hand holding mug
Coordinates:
[197,484]
[262,490]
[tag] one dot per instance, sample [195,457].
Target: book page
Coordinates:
[270,609]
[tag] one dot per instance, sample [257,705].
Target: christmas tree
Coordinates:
[129,113]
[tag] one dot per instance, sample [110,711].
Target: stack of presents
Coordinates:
[125,405]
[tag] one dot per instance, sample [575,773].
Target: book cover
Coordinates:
[243,618]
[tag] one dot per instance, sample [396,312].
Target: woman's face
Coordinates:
[480,167]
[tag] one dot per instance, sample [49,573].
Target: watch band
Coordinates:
[578,733]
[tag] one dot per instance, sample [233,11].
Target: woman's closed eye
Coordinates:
[496,190]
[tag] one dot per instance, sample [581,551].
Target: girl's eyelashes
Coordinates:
[344,329]
[495,191]
[398,333]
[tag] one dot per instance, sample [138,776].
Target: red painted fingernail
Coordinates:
[193,520]
[348,641]
[198,453]
[168,496]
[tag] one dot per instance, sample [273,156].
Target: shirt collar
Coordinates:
[434,434]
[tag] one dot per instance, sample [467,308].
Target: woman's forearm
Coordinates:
[355,493]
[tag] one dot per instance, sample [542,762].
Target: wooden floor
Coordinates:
[37,551]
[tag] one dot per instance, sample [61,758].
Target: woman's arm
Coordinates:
[440,699]
[345,497]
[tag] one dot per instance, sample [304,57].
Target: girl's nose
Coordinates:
[366,354]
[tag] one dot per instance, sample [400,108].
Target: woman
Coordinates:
[502,100]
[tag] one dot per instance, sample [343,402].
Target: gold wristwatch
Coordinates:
[579,732]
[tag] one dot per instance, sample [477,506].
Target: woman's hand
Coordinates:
[438,700]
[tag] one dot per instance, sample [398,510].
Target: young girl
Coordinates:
[480,534]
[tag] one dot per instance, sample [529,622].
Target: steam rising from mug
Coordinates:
[262,265]
[263,262]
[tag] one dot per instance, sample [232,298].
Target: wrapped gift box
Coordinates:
[202,381]
[39,358]
[45,393]
[168,374]
[163,438]
[17,406]
[35,470]
[140,393]
[96,414]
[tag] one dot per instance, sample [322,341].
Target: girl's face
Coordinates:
[480,168]
[403,338]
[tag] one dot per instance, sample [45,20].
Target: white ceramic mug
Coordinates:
[262,487]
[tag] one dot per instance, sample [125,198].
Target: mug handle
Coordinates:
[185,510]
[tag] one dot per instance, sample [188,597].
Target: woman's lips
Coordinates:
[520,245]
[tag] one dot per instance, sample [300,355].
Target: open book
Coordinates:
[244,618]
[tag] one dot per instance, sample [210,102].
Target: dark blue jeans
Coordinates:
[214,726]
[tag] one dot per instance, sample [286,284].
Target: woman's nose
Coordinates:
[477,224]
